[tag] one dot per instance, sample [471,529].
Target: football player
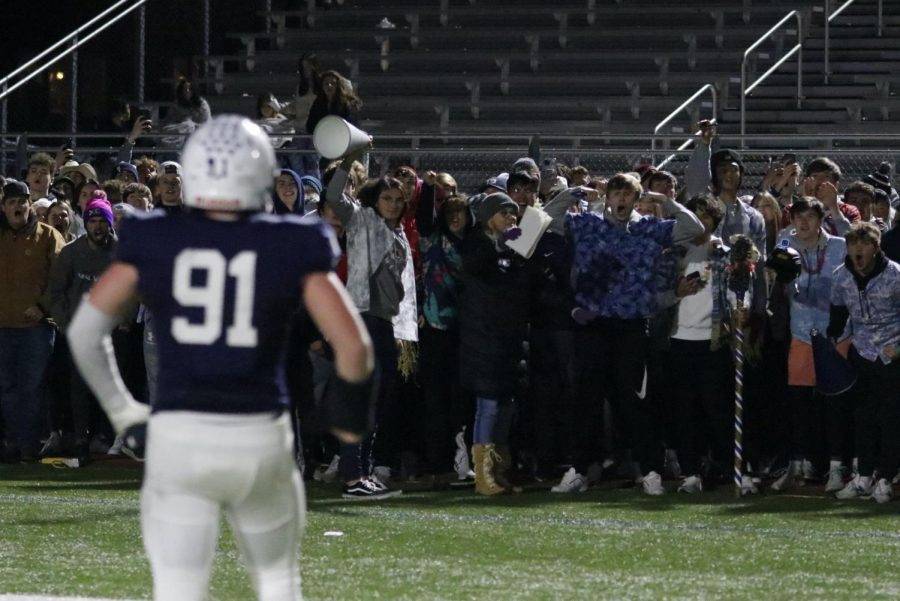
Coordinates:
[222,280]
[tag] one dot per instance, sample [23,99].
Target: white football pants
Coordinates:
[199,464]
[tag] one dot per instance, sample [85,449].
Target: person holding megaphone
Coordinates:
[377,253]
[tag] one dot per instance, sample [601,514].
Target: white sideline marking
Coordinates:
[43,598]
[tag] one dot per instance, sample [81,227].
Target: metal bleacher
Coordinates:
[531,66]
[502,66]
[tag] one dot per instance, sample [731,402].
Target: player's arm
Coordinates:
[350,393]
[92,349]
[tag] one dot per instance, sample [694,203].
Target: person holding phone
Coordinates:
[699,353]
[783,180]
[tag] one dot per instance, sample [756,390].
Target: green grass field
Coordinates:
[76,533]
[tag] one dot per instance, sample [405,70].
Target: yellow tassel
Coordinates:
[407,358]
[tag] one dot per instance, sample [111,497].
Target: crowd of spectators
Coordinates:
[554,325]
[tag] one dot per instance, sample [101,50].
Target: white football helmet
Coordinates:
[228,164]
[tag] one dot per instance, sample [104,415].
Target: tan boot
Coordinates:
[502,464]
[483,455]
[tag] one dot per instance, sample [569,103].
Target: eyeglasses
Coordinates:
[509,212]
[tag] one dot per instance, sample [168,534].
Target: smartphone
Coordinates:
[694,275]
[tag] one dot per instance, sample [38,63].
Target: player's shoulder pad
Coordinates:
[146,215]
[306,226]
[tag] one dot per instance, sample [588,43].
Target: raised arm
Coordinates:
[687,226]
[697,174]
[559,206]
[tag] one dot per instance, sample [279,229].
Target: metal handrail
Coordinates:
[830,17]
[77,43]
[798,50]
[708,87]
[74,34]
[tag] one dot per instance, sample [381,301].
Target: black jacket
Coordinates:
[493,316]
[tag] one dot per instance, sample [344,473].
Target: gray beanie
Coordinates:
[492,204]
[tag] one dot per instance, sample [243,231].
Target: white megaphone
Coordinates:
[335,138]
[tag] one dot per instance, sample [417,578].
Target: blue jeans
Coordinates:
[493,421]
[24,354]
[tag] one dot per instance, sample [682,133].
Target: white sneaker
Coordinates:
[116,448]
[385,23]
[571,481]
[328,473]
[748,486]
[884,491]
[691,485]
[461,462]
[653,484]
[382,487]
[788,480]
[835,478]
[860,486]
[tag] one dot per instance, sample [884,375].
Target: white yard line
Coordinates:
[43,598]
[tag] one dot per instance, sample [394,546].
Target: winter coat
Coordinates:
[26,257]
[493,313]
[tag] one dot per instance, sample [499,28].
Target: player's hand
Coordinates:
[890,352]
[130,414]
[135,439]
[317,347]
[34,313]
[430,178]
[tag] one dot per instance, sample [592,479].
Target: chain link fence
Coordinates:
[473,159]
[472,168]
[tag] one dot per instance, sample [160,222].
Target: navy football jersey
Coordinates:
[221,294]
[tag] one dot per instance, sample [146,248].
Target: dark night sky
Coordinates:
[107,62]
